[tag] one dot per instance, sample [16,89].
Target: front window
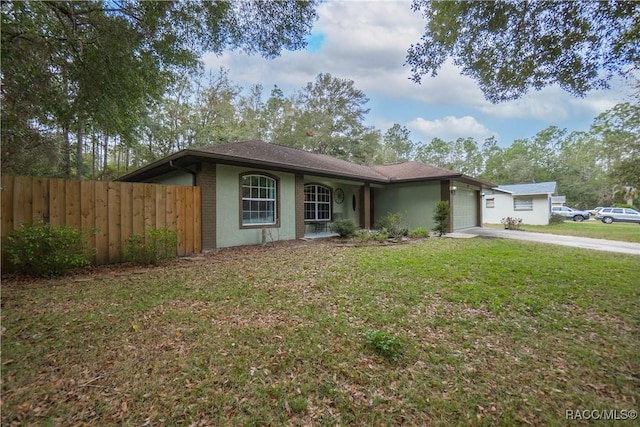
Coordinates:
[523,204]
[258,200]
[317,203]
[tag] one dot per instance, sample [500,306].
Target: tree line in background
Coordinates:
[93,89]
[327,116]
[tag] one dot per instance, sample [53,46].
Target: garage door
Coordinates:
[465,209]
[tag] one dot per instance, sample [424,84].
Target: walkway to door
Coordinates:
[320,235]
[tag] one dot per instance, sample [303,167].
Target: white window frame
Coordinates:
[313,201]
[523,203]
[258,200]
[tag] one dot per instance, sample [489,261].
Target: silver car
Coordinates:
[609,215]
[567,212]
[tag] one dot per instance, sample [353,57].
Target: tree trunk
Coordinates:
[105,172]
[66,152]
[94,142]
[79,149]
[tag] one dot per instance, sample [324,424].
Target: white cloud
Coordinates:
[553,105]
[363,41]
[449,128]
[367,42]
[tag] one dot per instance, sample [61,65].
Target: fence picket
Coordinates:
[114,220]
[108,213]
[87,217]
[56,202]
[23,200]
[40,189]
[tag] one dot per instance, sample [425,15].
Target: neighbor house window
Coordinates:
[523,204]
[258,200]
[317,203]
[490,203]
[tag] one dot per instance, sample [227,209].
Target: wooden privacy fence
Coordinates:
[108,213]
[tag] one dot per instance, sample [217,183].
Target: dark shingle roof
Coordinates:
[287,157]
[413,170]
[266,155]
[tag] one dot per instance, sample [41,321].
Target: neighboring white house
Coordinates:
[531,202]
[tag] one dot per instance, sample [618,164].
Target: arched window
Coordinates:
[259,204]
[317,203]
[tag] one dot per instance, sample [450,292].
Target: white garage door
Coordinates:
[465,209]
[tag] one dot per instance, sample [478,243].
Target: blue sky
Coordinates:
[367,41]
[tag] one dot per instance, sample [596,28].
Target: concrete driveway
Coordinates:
[576,242]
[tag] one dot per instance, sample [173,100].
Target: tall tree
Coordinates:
[436,153]
[250,111]
[461,155]
[580,172]
[215,120]
[329,119]
[619,131]
[492,159]
[510,46]
[279,114]
[396,145]
[98,64]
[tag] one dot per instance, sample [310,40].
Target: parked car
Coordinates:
[609,215]
[568,212]
[593,212]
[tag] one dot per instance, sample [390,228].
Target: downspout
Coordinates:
[189,171]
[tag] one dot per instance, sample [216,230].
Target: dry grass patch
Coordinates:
[492,333]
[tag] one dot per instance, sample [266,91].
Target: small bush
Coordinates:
[153,247]
[344,227]
[441,217]
[556,219]
[392,224]
[419,233]
[511,223]
[385,344]
[44,250]
[371,235]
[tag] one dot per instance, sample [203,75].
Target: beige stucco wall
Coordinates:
[414,201]
[228,226]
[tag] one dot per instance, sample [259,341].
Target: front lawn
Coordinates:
[624,232]
[471,332]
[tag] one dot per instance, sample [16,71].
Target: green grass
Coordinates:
[624,232]
[483,332]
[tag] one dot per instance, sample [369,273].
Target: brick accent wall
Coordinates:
[299,206]
[206,180]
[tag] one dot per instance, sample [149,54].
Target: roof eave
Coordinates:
[242,161]
[153,166]
[532,194]
[459,177]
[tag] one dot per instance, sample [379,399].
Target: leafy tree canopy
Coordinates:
[97,65]
[511,46]
[329,119]
[397,145]
[619,131]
